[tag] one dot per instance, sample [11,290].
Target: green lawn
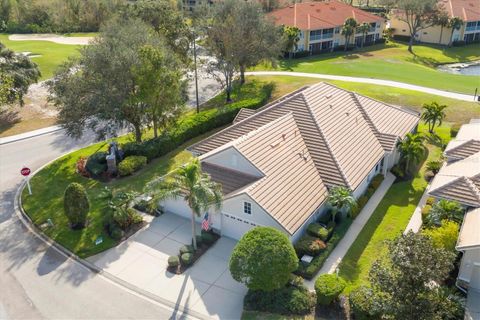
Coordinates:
[393,62]
[388,220]
[458,111]
[51,54]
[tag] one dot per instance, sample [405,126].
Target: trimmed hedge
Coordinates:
[317,230]
[328,287]
[310,270]
[290,300]
[131,164]
[97,164]
[187,258]
[173,261]
[309,245]
[192,126]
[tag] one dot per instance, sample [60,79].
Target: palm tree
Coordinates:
[339,198]
[348,29]
[433,113]
[455,24]
[363,29]
[194,186]
[411,149]
[442,20]
[291,38]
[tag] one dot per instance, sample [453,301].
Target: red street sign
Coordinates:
[25,171]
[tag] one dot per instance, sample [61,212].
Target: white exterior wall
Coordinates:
[469,259]
[360,190]
[314,217]
[231,158]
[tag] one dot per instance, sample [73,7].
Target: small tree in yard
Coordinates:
[328,287]
[263,259]
[363,29]
[76,205]
[441,20]
[194,187]
[340,198]
[411,149]
[348,30]
[291,36]
[433,113]
[405,284]
[454,23]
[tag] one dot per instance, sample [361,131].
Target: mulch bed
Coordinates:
[201,249]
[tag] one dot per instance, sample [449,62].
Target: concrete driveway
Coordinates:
[207,287]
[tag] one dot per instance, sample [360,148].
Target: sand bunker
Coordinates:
[51,37]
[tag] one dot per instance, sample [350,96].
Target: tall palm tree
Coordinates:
[433,113]
[411,149]
[363,29]
[339,198]
[442,20]
[194,186]
[455,24]
[348,29]
[291,37]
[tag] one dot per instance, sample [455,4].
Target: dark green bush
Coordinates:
[207,238]
[76,205]
[309,245]
[126,218]
[328,287]
[362,304]
[186,249]
[173,261]
[362,201]
[326,217]
[199,240]
[116,233]
[397,172]
[290,300]
[317,230]
[187,258]
[377,181]
[97,164]
[454,129]
[131,164]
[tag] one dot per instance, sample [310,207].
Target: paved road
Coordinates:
[388,83]
[37,282]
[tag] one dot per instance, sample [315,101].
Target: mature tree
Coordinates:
[406,281]
[17,73]
[161,85]
[340,198]
[441,20]
[445,236]
[167,20]
[291,36]
[263,259]
[348,30]
[363,29]
[433,113]
[411,149]
[445,210]
[192,185]
[260,38]
[76,205]
[454,23]
[417,14]
[100,90]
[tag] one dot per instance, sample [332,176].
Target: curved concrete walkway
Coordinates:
[51,37]
[389,83]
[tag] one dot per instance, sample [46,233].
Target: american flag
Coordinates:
[206,222]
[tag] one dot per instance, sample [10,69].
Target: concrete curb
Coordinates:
[30,134]
[32,228]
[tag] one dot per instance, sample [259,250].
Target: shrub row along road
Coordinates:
[389,83]
[38,282]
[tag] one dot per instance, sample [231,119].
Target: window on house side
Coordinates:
[247,207]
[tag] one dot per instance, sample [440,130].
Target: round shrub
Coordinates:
[328,287]
[187,258]
[310,245]
[207,238]
[263,259]
[131,164]
[288,300]
[76,205]
[116,233]
[173,261]
[97,164]
[186,249]
[317,230]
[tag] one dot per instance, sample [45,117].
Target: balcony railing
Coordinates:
[472,28]
[321,36]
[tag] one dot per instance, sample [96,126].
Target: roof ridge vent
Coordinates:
[328,95]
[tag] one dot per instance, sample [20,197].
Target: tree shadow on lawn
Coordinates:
[8,118]
[400,195]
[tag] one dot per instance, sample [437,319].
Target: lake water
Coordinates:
[471,70]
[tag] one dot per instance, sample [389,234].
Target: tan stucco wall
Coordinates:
[428,35]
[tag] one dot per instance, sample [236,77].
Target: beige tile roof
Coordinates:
[459,180]
[229,179]
[469,236]
[345,138]
[463,150]
[243,114]
[291,189]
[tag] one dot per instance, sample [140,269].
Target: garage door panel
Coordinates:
[235,227]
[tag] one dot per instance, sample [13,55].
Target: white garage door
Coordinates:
[234,227]
[177,206]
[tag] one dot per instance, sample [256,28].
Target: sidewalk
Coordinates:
[389,83]
[29,134]
[415,222]
[341,249]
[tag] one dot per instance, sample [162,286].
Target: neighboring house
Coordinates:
[321,23]
[467,10]
[276,164]
[459,180]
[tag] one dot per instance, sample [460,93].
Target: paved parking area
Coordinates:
[207,287]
